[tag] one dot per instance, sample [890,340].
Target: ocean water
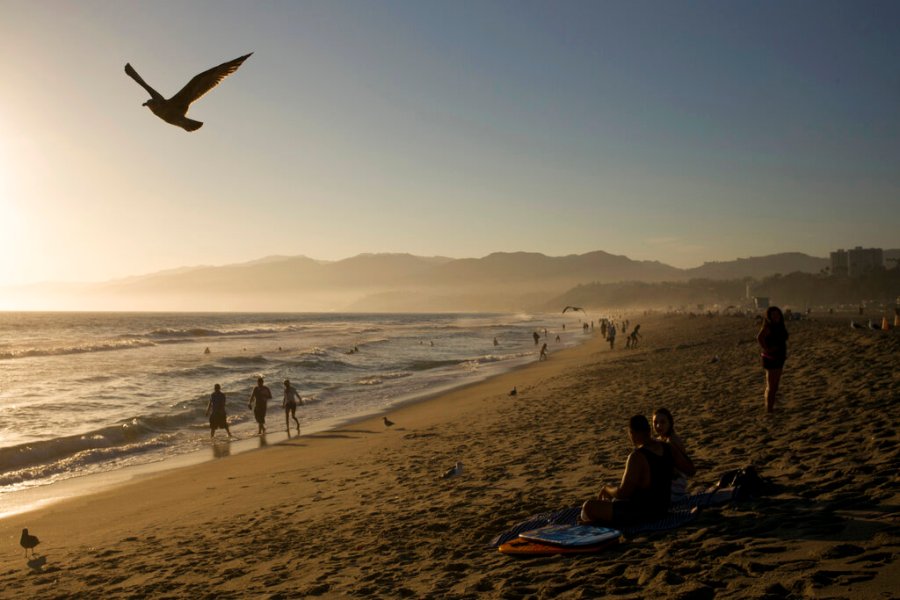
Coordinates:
[84,393]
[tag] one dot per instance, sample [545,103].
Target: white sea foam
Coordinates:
[89,392]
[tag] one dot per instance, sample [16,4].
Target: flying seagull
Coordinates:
[573,308]
[28,542]
[174,110]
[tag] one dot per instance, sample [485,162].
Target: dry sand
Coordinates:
[363,512]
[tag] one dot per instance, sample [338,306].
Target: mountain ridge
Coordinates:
[400,282]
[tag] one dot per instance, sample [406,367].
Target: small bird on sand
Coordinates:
[457,469]
[174,110]
[873,325]
[28,542]
[513,392]
[714,359]
[855,325]
[388,422]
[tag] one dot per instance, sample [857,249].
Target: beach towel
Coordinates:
[680,513]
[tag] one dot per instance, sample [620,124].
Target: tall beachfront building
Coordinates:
[856,261]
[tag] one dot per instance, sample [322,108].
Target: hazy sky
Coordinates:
[683,132]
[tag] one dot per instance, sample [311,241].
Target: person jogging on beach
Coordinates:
[215,410]
[289,404]
[259,403]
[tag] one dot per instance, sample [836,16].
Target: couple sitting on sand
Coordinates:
[654,473]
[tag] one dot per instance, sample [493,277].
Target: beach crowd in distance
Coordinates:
[364,510]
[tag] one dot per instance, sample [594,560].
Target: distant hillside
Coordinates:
[536,269]
[403,282]
[759,266]
[382,282]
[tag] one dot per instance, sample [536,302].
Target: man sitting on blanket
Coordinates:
[645,490]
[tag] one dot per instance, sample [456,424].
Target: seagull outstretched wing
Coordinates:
[205,81]
[134,75]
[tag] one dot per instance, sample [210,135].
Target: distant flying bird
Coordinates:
[174,110]
[453,472]
[573,308]
[28,542]
[388,422]
[513,392]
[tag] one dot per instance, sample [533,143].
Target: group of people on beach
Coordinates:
[609,329]
[655,475]
[258,403]
[657,469]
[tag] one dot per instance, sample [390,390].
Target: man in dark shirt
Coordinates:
[259,402]
[215,410]
[644,493]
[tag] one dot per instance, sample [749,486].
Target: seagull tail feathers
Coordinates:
[191,125]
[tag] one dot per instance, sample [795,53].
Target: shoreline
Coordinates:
[363,511]
[41,496]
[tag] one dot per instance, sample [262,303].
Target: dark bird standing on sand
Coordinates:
[28,542]
[174,110]
[387,422]
[513,392]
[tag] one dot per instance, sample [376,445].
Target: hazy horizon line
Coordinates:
[273,257]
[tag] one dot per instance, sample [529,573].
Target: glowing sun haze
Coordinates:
[682,132]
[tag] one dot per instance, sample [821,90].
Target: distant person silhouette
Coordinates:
[635,335]
[289,404]
[772,338]
[215,410]
[259,403]
[537,337]
[543,355]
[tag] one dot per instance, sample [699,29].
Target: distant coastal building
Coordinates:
[839,263]
[854,262]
